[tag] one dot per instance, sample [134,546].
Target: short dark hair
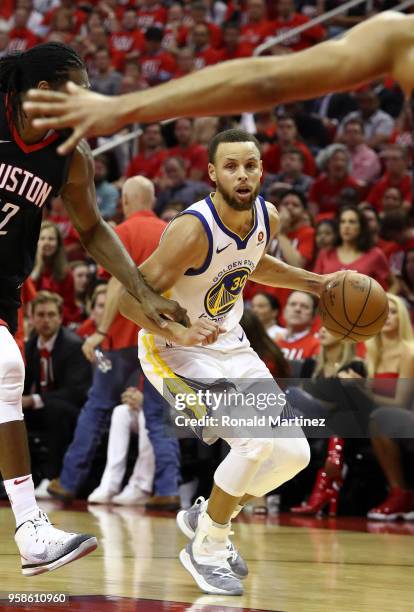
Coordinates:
[293,151]
[50,62]
[234,135]
[355,120]
[154,34]
[272,299]
[296,193]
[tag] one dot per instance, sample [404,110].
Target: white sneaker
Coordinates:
[131,496]
[41,491]
[101,496]
[44,548]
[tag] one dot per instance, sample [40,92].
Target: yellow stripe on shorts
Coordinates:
[174,383]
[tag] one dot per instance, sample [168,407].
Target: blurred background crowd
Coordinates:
[338,169]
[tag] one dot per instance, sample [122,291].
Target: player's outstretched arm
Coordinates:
[103,244]
[381,45]
[276,273]
[184,245]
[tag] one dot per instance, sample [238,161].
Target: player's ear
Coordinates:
[43,85]
[212,172]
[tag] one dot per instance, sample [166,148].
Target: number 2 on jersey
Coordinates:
[11,210]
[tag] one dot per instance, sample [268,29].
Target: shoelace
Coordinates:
[223,572]
[40,523]
[231,549]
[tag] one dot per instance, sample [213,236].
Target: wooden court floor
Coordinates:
[299,566]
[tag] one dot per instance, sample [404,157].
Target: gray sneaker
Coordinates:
[213,579]
[187,521]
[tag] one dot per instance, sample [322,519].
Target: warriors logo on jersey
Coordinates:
[221,297]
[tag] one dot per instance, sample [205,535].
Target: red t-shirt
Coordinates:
[195,157]
[216,36]
[152,17]
[242,50]
[271,158]
[373,263]
[146,166]
[298,41]
[405,185]
[157,68]
[301,347]
[206,57]
[87,328]
[79,17]
[21,39]
[64,288]
[122,43]
[326,194]
[140,235]
[255,33]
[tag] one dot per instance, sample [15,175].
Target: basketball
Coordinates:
[354,307]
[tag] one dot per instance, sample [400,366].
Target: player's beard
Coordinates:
[233,202]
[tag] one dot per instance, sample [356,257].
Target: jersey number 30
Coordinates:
[11,210]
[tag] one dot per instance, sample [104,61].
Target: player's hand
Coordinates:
[90,344]
[203,332]
[154,306]
[330,278]
[86,112]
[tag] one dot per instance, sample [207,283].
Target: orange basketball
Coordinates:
[354,307]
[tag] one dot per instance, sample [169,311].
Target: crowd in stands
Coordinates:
[338,169]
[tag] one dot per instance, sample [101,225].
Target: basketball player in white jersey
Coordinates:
[204,259]
[382,45]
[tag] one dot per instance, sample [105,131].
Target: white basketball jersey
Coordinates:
[215,290]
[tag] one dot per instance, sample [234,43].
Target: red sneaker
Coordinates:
[399,504]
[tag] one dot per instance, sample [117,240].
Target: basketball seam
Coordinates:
[329,313]
[375,320]
[362,310]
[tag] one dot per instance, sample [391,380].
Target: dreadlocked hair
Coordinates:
[21,71]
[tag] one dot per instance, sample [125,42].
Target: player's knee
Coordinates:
[255,449]
[298,455]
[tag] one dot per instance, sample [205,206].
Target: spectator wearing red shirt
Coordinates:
[93,322]
[354,250]
[325,191]
[387,246]
[120,337]
[257,26]
[126,42]
[233,48]
[51,272]
[62,27]
[151,14]
[149,162]
[174,31]
[199,14]
[194,155]
[396,175]
[185,62]
[287,19]
[157,65]
[288,137]
[204,53]
[79,17]
[295,243]
[20,37]
[298,342]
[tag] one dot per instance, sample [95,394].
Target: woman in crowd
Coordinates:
[81,282]
[390,357]
[354,250]
[319,398]
[266,308]
[51,271]
[326,235]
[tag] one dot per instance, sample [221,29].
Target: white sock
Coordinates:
[20,491]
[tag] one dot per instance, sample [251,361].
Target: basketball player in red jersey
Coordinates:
[31,172]
[383,45]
